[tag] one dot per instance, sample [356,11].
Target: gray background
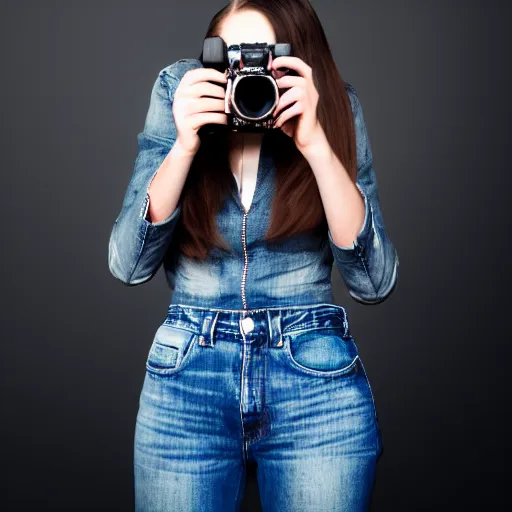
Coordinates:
[433,78]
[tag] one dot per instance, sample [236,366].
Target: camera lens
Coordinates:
[254,96]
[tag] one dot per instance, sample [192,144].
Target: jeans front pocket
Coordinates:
[171,350]
[322,352]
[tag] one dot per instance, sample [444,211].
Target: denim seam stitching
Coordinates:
[361,257]
[321,373]
[253,310]
[132,272]
[184,361]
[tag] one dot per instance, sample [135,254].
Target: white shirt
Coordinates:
[249,185]
[249,175]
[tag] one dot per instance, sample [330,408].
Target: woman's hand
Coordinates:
[191,109]
[299,121]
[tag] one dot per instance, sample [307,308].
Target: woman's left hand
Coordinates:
[299,121]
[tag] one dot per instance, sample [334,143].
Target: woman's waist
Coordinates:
[252,323]
[253,297]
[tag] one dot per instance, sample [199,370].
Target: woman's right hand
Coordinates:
[191,109]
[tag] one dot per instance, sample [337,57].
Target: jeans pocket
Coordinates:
[322,352]
[171,350]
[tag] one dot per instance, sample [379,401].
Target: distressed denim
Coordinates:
[283,387]
[255,273]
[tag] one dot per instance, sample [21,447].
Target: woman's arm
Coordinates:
[369,265]
[142,231]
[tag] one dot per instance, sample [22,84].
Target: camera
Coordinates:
[252,93]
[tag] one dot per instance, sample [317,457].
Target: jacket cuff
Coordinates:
[156,226]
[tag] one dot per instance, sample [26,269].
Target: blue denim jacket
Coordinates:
[255,274]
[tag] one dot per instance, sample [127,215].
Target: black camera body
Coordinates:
[252,93]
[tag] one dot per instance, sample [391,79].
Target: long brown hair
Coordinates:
[297,205]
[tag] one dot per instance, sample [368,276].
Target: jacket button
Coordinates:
[247,324]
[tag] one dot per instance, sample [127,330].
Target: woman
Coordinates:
[253,362]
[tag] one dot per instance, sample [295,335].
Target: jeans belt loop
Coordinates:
[274,328]
[206,337]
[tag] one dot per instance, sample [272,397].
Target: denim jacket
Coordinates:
[255,274]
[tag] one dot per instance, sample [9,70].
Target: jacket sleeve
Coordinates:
[137,246]
[369,268]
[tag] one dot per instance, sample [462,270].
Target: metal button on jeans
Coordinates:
[247,324]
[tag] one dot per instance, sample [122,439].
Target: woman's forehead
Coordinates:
[247,26]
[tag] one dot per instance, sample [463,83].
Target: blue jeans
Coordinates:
[282,387]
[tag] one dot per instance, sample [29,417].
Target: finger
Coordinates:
[200,89]
[286,99]
[206,105]
[290,81]
[193,76]
[292,63]
[203,118]
[288,114]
